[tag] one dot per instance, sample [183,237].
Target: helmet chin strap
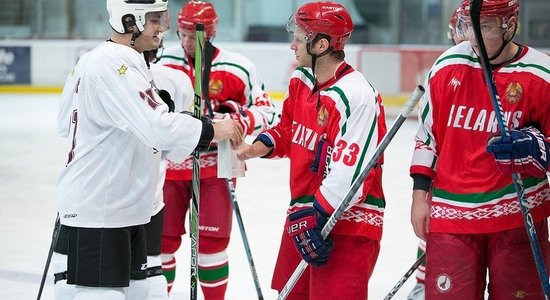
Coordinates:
[504,43]
[315,56]
[313,62]
[135,35]
[129,22]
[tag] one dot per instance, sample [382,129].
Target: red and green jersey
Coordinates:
[232,77]
[470,194]
[347,112]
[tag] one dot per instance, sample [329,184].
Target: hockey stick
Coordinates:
[195,193]
[475,12]
[55,236]
[209,51]
[331,222]
[403,279]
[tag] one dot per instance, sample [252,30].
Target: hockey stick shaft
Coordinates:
[55,236]
[195,193]
[475,13]
[208,53]
[406,110]
[245,238]
[403,279]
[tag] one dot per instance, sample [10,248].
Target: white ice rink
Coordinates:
[31,156]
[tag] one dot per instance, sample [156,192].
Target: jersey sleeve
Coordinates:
[424,156]
[129,103]
[355,131]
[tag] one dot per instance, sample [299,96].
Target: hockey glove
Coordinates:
[165,96]
[523,151]
[235,111]
[322,158]
[304,227]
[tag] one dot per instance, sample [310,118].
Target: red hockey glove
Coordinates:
[235,111]
[304,227]
[322,158]
[523,151]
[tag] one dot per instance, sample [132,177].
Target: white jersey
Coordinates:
[115,123]
[179,86]
[176,83]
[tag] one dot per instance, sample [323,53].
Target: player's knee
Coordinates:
[170,244]
[212,244]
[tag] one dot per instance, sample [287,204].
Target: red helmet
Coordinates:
[454,18]
[195,12]
[328,18]
[500,8]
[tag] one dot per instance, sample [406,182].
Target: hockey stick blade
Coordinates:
[331,222]
[403,279]
[475,14]
[55,237]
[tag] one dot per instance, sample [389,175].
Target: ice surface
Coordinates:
[31,156]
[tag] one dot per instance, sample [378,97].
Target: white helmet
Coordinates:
[136,9]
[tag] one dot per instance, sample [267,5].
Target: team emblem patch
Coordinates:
[443,283]
[514,92]
[122,70]
[322,117]
[215,87]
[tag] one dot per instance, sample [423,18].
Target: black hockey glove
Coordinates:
[165,96]
[304,227]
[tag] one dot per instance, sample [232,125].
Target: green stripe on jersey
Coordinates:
[378,202]
[453,56]
[365,147]
[303,200]
[478,198]
[245,71]
[345,101]
[175,58]
[308,75]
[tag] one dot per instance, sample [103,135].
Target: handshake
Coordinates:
[230,109]
[223,129]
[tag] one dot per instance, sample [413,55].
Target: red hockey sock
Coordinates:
[169,269]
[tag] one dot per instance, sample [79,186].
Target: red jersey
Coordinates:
[347,112]
[470,194]
[232,77]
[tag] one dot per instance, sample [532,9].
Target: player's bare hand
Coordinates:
[228,130]
[420,213]
[247,151]
[238,136]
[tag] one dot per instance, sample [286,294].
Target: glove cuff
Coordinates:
[207,134]
[301,221]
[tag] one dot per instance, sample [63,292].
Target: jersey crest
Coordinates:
[322,117]
[215,87]
[514,92]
